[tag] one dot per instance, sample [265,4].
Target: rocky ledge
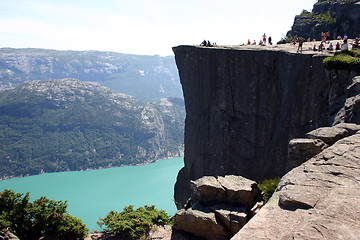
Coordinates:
[317,200]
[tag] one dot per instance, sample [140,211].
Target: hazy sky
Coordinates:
[144,27]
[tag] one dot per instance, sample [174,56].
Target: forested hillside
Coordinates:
[60,125]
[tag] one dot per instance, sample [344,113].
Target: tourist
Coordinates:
[345,46]
[314,48]
[328,36]
[331,47]
[356,43]
[264,39]
[321,47]
[270,39]
[337,47]
[254,43]
[339,37]
[300,41]
[203,43]
[248,43]
[345,37]
[323,37]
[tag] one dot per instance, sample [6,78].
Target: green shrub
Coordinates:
[42,218]
[343,60]
[133,223]
[268,186]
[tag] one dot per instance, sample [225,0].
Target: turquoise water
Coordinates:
[92,194]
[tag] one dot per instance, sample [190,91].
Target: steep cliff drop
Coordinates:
[244,105]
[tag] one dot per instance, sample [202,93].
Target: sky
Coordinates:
[142,27]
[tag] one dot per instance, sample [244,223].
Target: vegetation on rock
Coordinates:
[41,218]
[268,186]
[343,60]
[133,223]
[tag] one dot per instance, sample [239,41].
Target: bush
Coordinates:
[343,60]
[133,223]
[268,186]
[42,218]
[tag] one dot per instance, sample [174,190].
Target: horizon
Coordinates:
[142,27]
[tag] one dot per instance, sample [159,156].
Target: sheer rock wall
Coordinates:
[244,106]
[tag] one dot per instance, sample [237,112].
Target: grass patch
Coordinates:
[268,187]
[343,60]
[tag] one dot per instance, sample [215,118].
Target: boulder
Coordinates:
[328,134]
[207,190]
[317,200]
[239,190]
[200,221]
[302,149]
[233,218]
[225,201]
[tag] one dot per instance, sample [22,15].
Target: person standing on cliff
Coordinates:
[300,41]
[264,39]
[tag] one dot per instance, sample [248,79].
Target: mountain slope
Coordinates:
[147,78]
[337,16]
[67,124]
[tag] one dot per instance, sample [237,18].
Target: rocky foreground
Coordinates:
[317,200]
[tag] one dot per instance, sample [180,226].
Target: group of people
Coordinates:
[262,41]
[207,43]
[325,39]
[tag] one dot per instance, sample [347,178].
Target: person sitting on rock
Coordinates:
[331,47]
[321,47]
[356,44]
[345,46]
[337,47]
[203,43]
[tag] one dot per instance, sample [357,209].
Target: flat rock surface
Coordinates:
[317,200]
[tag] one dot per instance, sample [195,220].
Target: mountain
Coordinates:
[337,16]
[68,124]
[147,78]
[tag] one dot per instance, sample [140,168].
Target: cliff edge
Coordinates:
[245,104]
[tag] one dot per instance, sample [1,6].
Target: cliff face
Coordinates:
[244,106]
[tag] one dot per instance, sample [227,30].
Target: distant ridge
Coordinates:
[147,78]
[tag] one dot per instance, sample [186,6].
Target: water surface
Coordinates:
[92,194]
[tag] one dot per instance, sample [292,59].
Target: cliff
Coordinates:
[337,16]
[244,105]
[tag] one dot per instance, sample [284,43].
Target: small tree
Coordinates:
[133,223]
[42,218]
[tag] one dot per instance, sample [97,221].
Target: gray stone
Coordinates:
[239,190]
[317,200]
[302,149]
[233,218]
[352,128]
[200,221]
[354,88]
[328,134]
[207,190]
